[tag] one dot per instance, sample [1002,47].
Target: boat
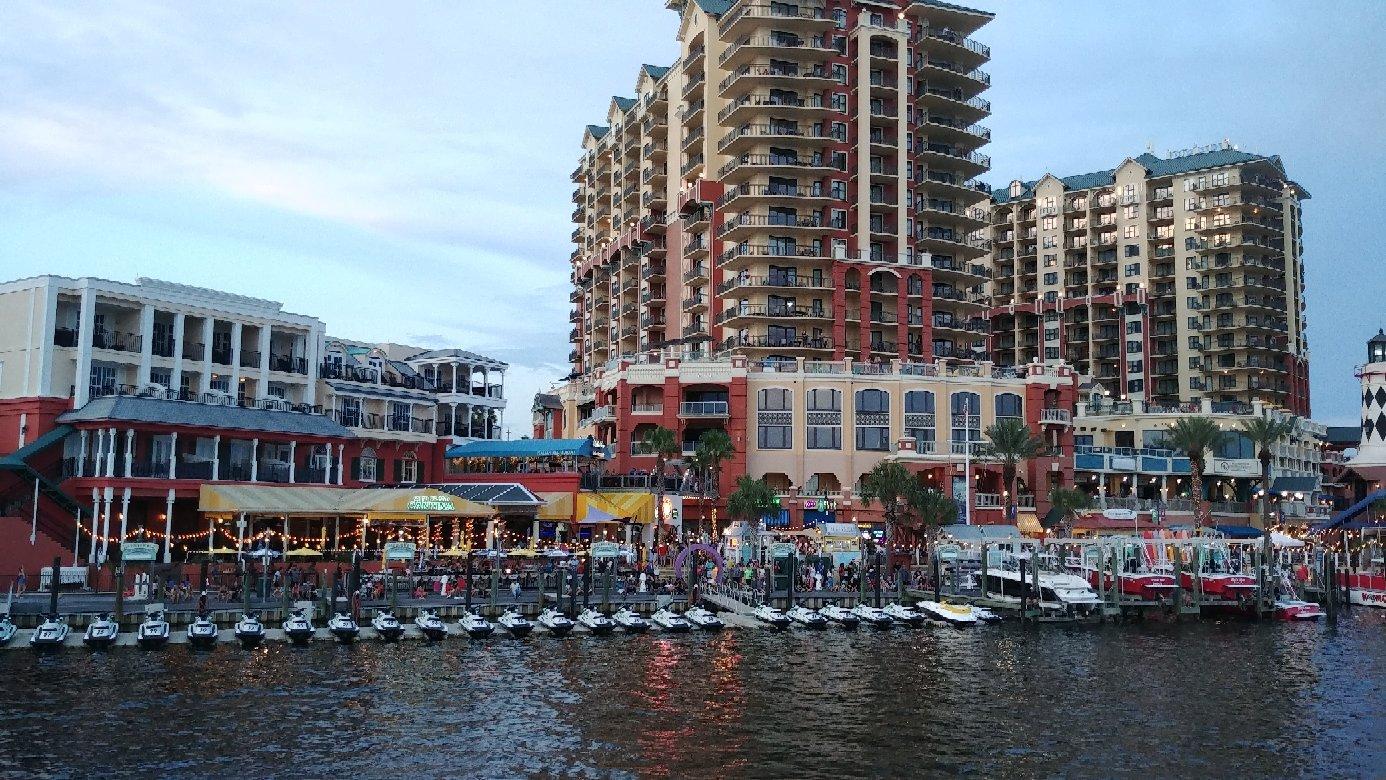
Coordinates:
[839,616]
[154,632]
[872,616]
[771,616]
[555,621]
[50,634]
[431,625]
[1367,586]
[954,614]
[1058,591]
[903,614]
[669,620]
[475,626]
[7,629]
[1294,609]
[343,627]
[1140,579]
[630,622]
[596,622]
[518,625]
[985,615]
[386,625]
[250,632]
[298,628]
[808,618]
[1218,577]
[202,632]
[101,632]
[703,619]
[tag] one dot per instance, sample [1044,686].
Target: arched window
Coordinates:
[965,411]
[919,402]
[1008,405]
[919,419]
[873,401]
[407,469]
[873,420]
[774,419]
[823,413]
[366,466]
[774,399]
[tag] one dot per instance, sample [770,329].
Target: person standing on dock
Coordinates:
[21,582]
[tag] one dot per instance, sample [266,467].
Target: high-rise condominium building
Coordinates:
[1167,279]
[799,184]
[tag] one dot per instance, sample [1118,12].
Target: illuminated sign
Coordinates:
[400,551]
[820,505]
[431,504]
[139,551]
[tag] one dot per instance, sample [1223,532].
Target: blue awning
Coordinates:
[1238,531]
[526,448]
[1294,485]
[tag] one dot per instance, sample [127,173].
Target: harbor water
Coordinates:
[1212,698]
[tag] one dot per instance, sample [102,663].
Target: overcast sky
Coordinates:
[401,170]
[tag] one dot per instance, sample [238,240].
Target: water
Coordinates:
[1229,699]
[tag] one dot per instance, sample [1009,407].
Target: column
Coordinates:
[86,322]
[452,429]
[293,458]
[208,328]
[286,537]
[173,457]
[254,460]
[146,343]
[81,452]
[168,528]
[129,450]
[92,558]
[236,359]
[454,376]
[175,379]
[467,415]
[216,457]
[327,464]
[313,353]
[107,496]
[124,515]
[341,462]
[211,533]
[45,355]
[262,384]
[110,451]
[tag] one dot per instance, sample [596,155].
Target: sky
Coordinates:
[400,170]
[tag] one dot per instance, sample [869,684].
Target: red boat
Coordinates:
[1294,609]
[1367,589]
[1148,585]
[1221,584]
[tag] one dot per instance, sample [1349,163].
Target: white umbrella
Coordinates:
[1284,540]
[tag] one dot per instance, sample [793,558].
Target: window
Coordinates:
[161,376]
[823,437]
[873,401]
[1133,326]
[407,470]
[774,422]
[1050,223]
[1135,367]
[1135,386]
[1133,269]
[824,413]
[1133,347]
[1051,278]
[873,420]
[1129,211]
[1008,405]
[966,417]
[366,468]
[873,438]
[919,402]
[838,189]
[221,384]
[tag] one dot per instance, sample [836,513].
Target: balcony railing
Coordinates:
[703,409]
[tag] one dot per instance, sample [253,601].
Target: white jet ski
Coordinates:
[154,632]
[838,615]
[343,627]
[7,629]
[669,620]
[298,628]
[101,632]
[249,630]
[476,626]
[953,614]
[596,622]
[202,632]
[50,634]
[431,625]
[703,620]
[630,622]
[771,616]
[903,614]
[387,626]
[872,616]
[555,622]
[808,618]
[518,625]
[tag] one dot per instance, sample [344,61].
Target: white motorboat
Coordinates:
[298,628]
[555,622]
[431,625]
[50,634]
[630,622]
[101,632]
[808,618]
[516,624]
[838,615]
[670,621]
[954,614]
[202,632]
[343,627]
[387,626]
[154,632]
[7,629]
[872,616]
[903,614]
[1058,591]
[771,616]
[476,626]
[596,622]
[250,632]
[703,619]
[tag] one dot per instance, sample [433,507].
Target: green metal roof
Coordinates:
[656,72]
[715,7]
[624,103]
[1157,166]
[22,455]
[598,131]
[951,7]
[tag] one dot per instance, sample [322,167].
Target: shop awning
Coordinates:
[637,507]
[1238,531]
[1304,485]
[526,448]
[323,500]
[557,507]
[497,494]
[593,508]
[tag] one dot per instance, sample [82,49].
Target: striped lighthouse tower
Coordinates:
[1372,451]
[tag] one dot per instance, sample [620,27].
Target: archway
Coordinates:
[709,550]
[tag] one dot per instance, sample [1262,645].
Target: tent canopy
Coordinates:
[320,500]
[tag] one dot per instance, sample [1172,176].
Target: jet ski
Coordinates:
[101,632]
[985,615]
[476,626]
[954,614]
[431,625]
[249,630]
[808,618]
[670,621]
[903,614]
[298,628]
[343,627]
[7,629]
[872,616]
[596,622]
[555,622]
[703,620]
[518,626]
[771,616]
[840,616]
[387,626]
[630,622]
[154,632]
[50,634]
[202,632]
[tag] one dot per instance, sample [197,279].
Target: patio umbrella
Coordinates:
[303,552]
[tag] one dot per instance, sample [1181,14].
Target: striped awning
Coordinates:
[323,500]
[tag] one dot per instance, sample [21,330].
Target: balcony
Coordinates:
[703,409]
[776,46]
[1056,417]
[763,341]
[115,341]
[750,222]
[772,311]
[777,132]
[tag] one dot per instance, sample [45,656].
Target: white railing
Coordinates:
[1061,416]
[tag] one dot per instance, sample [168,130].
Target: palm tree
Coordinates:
[1069,502]
[1196,437]
[893,486]
[752,500]
[933,510]
[1012,442]
[664,445]
[713,448]
[1263,432]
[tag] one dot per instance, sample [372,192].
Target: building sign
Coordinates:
[781,550]
[820,505]
[947,552]
[1118,513]
[606,550]
[843,530]
[400,551]
[1122,463]
[1242,468]
[673,511]
[431,504]
[139,551]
